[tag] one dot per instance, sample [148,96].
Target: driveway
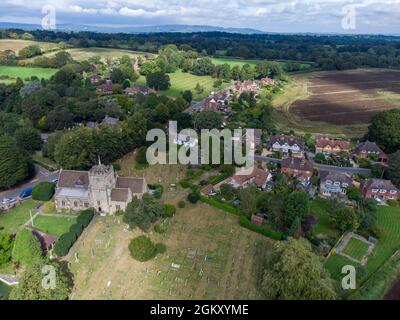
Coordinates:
[41,175]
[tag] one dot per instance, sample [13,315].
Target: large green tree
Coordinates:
[158,81]
[394,168]
[296,208]
[14,166]
[142,212]
[28,138]
[385,130]
[76,149]
[6,245]
[294,272]
[208,119]
[36,282]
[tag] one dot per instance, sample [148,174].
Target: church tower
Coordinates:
[101,181]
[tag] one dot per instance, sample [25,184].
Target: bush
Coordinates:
[185,184]
[142,249]
[194,196]
[392,203]
[158,228]
[49,207]
[44,191]
[161,248]
[181,204]
[169,211]
[85,217]
[76,229]
[158,190]
[116,167]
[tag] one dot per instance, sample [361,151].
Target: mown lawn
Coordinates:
[53,225]
[11,220]
[388,220]
[356,249]
[25,72]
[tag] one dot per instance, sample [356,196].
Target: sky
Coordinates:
[317,16]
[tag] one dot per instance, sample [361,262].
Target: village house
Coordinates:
[258,177]
[267,82]
[365,149]
[334,183]
[105,88]
[379,189]
[298,168]
[245,86]
[46,240]
[287,144]
[94,79]
[99,188]
[217,102]
[326,145]
[185,140]
[110,121]
[132,91]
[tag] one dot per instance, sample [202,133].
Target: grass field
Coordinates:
[181,81]
[388,219]
[55,226]
[356,249]
[10,221]
[81,54]
[16,45]
[12,72]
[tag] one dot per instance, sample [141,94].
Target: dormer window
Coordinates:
[375,190]
[382,191]
[329,182]
[345,185]
[393,191]
[337,184]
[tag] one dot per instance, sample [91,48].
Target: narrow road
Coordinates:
[41,175]
[321,167]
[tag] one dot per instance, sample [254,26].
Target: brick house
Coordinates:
[105,88]
[258,177]
[334,183]
[287,144]
[326,145]
[298,168]
[379,189]
[364,149]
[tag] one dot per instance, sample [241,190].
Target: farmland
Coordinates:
[16,45]
[338,102]
[81,54]
[10,73]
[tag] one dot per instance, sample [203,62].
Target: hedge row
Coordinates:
[44,191]
[273,234]
[243,220]
[66,241]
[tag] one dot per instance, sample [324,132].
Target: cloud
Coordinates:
[268,15]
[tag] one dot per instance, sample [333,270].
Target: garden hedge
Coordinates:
[66,241]
[243,220]
[44,191]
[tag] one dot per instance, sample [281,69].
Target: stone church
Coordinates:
[100,188]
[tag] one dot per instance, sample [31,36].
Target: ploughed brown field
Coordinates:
[349,97]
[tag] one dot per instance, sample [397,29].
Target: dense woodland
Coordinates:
[329,52]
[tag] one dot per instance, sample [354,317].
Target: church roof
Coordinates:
[73,179]
[135,184]
[120,195]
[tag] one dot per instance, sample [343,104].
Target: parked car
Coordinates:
[8,201]
[26,193]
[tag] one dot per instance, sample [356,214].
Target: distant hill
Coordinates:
[134,29]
